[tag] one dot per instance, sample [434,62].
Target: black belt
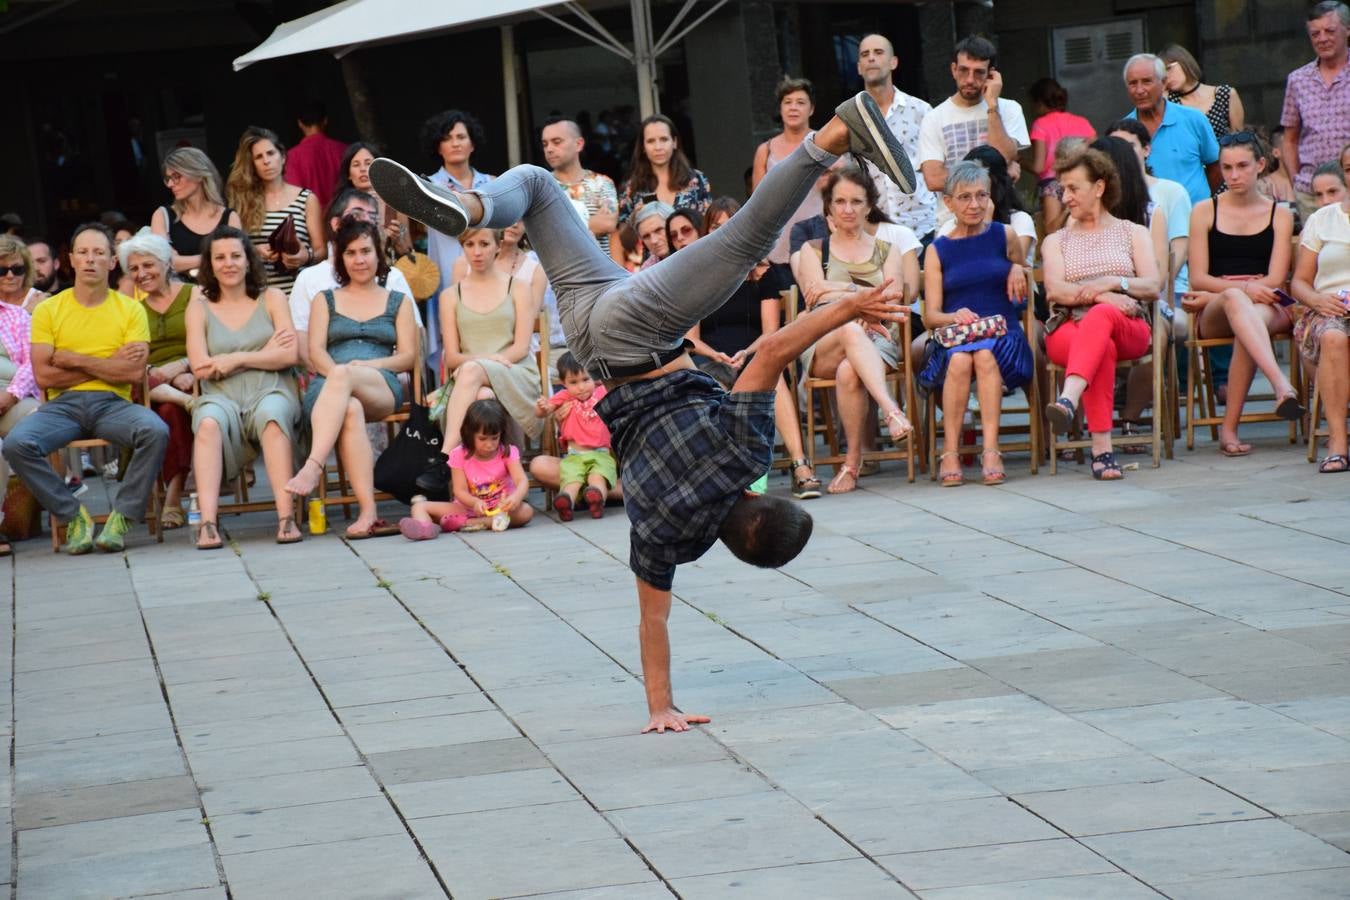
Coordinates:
[656,359]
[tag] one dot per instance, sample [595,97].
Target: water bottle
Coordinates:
[318,516]
[194,517]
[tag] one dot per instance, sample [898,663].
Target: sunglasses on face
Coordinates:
[18,269]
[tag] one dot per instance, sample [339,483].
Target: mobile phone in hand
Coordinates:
[1284,298]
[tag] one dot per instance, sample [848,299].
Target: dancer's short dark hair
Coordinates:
[766,531]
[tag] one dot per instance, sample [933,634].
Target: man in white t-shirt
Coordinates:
[974,115]
[349,205]
[904,115]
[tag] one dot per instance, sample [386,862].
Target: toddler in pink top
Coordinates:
[586,458]
[488,483]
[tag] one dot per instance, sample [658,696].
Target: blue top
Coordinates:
[975,274]
[687,450]
[1182,146]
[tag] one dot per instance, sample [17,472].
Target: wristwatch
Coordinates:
[1124,285]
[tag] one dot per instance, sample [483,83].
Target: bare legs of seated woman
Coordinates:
[848,355]
[1333,372]
[208,464]
[961,367]
[352,395]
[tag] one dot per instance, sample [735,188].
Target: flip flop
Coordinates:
[214,530]
[378,528]
[1234,448]
[285,525]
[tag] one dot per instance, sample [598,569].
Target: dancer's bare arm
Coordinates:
[654,641]
[880,304]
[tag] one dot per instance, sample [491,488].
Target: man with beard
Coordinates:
[46,271]
[563,144]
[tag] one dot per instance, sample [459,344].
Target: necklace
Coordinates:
[1187,93]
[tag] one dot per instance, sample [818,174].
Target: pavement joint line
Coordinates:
[266,599]
[390,588]
[177,737]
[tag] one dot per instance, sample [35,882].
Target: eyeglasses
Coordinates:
[1237,137]
[16,269]
[977,197]
[172,178]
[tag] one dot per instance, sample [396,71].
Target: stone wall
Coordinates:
[1253,46]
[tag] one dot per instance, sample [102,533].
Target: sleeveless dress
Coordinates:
[517,386]
[246,401]
[864,274]
[350,339]
[278,276]
[975,276]
[811,206]
[184,240]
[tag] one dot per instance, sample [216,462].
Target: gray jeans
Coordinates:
[88,414]
[624,319]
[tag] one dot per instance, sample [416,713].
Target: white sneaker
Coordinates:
[429,203]
[87,464]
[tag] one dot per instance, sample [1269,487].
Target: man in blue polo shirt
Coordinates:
[1184,148]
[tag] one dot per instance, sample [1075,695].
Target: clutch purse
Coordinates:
[283,238]
[979,330]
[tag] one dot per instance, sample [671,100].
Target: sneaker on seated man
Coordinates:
[90,344]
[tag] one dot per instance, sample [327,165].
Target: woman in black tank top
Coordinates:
[1239,254]
[198,207]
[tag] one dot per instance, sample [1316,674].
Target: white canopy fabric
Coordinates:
[352,23]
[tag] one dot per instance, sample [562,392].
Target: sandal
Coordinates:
[993,476]
[1060,415]
[1336,462]
[1110,469]
[1234,448]
[285,524]
[378,528]
[212,535]
[951,479]
[172,517]
[898,425]
[807,488]
[837,483]
[1289,408]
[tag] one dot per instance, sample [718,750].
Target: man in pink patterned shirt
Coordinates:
[1316,114]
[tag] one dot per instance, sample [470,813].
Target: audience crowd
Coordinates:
[285,311]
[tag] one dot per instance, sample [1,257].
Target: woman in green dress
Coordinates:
[243,351]
[147,258]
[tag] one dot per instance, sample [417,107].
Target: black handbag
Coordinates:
[416,448]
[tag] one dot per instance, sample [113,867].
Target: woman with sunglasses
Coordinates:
[1239,255]
[18,389]
[197,210]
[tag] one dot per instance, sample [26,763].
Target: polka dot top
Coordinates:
[1103,251]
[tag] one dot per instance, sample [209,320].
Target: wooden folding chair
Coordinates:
[548,437]
[1201,403]
[1159,437]
[156,489]
[816,389]
[1033,411]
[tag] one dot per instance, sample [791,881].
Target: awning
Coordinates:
[345,26]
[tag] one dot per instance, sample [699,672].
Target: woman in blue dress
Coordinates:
[974,272]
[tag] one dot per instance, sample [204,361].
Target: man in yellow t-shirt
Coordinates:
[90,344]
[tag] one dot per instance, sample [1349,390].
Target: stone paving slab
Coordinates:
[1050,689]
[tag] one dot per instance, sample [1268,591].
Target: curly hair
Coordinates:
[243,188]
[255,275]
[352,230]
[436,128]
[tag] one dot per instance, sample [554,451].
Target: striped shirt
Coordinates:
[278,276]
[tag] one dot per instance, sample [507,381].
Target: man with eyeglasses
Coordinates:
[1184,149]
[351,205]
[90,344]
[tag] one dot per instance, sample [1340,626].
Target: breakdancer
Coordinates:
[687,449]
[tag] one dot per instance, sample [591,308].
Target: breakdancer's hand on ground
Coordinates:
[674,720]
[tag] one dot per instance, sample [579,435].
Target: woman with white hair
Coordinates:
[147,258]
[198,207]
